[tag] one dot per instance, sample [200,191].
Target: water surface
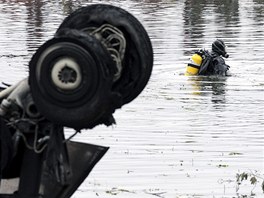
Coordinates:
[183,136]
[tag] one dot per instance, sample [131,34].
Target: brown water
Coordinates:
[183,136]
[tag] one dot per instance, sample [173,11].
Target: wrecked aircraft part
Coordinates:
[71,77]
[106,61]
[88,154]
[99,59]
[137,62]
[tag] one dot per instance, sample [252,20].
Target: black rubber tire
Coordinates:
[138,61]
[85,105]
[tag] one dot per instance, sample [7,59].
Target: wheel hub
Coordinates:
[66,74]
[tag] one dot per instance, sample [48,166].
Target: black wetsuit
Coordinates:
[216,65]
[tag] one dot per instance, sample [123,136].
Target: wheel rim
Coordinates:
[66,74]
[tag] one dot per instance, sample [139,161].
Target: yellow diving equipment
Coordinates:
[194,65]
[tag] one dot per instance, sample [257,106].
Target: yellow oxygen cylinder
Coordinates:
[194,65]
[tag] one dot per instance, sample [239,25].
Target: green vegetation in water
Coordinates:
[253,177]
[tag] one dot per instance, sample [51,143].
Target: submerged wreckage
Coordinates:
[100,59]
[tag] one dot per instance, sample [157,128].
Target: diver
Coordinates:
[208,63]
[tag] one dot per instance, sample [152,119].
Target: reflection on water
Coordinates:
[212,85]
[198,15]
[183,136]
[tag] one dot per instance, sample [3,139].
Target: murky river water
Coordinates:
[183,136]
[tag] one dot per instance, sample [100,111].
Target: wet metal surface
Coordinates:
[183,136]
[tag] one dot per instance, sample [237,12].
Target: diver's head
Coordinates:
[219,47]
